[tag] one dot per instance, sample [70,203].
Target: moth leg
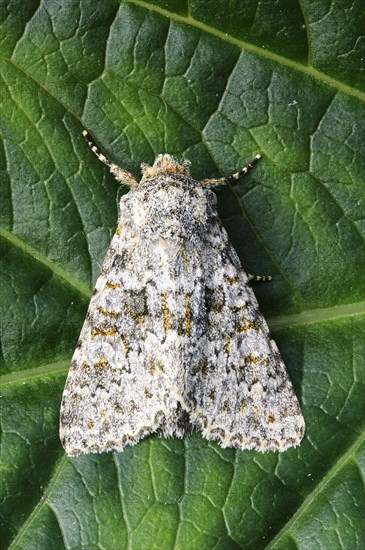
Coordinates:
[236,176]
[120,175]
[259,278]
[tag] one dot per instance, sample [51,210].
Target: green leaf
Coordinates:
[215,82]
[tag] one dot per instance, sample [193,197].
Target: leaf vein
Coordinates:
[243,45]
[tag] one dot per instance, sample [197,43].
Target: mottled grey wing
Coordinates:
[118,386]
[237,388]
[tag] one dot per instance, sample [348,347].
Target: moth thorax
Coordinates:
[168,209]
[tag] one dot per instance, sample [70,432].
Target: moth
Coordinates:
[173,337]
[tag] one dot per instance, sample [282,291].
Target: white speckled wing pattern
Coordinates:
[237,390]
[173,336]
[119,386]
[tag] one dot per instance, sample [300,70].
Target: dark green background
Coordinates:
[216,82]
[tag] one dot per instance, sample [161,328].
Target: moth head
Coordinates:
[165,164]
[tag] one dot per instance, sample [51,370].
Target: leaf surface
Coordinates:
[217,84]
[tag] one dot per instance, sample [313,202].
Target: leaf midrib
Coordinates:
[247,46]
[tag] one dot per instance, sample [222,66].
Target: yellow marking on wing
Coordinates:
[236,309]
[233,280]
[147,393]
[204,368]
[151,365]
[166,313]
[134,407]
[271,418]
[227,345]
[137,318]
[119,230]
[248,326]
[104,413]
[85,367]
[106,312]
[125,344]
[112,285]
[185,261]
[101,332]
[196,369]
[90,424]
[112,332]
[160,366]
[243,406]
[187,315]
[252,358]
[128,310]
[215,309]
[212,394]
[101,364]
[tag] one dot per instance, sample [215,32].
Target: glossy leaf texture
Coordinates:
[217,83]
